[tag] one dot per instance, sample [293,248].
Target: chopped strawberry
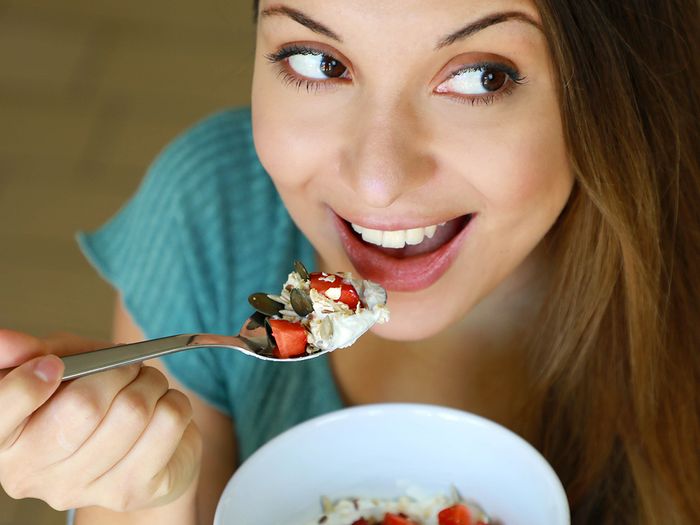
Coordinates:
[397,519]
[290,338]
[361,521]
[323,282]
[455,515]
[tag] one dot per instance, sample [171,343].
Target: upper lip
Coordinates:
[395,223]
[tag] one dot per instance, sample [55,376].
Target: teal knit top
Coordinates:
[205,229]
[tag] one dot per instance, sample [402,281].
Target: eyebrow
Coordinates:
[483,23]
[460,34]
[298,16]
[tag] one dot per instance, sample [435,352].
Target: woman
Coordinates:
[558,142]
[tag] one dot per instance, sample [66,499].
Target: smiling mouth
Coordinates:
[416,241]
[404,260]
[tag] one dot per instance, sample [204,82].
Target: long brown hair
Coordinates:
[617,356]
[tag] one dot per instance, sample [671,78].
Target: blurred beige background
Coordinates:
[90,91]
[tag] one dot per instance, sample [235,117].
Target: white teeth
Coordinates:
[372,236]
[397,238]
[415,236]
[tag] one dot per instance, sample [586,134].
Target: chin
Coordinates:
[397,331]
[409,322]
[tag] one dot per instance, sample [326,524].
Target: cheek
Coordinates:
[518,170]
[291,141]
[535,178]
[292,144]
[280,148]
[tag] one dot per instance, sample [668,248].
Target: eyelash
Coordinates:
[514,79]
[291,79]
[314,86]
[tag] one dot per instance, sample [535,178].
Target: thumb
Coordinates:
[17,348]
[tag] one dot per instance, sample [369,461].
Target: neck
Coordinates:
[498,323]
[476,364]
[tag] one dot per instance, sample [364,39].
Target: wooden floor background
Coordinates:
[90,91]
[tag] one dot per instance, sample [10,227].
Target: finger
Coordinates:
[59,428]
[17,348]
[127,418]
[23,391]
[148,462]
[172,481]
[158,443]
[140,492]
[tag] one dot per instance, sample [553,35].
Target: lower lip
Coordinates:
[408,274]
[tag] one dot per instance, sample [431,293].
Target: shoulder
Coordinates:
[219,144]
[231,230]
[212,185]
[194,229]
[209,182]
[227,133]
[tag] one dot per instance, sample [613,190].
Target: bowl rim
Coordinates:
[432,410]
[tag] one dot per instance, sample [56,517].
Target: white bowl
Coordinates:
[380,451]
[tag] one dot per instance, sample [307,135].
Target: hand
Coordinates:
[120,439]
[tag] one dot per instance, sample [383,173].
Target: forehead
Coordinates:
[395,12]
[415,23]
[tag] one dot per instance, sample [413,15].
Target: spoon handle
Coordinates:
[79,365]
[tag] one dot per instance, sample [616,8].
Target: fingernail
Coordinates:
[48,368]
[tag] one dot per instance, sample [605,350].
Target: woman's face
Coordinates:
[416,144]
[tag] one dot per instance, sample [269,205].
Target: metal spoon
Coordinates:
[252,340]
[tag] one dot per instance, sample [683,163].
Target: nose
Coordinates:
[386,153]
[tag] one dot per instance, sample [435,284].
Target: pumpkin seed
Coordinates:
[301,302]
[263,304]
[301,270]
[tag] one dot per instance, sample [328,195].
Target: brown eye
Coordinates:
[493,80]
[332,68]
[481,79]
[316,66]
